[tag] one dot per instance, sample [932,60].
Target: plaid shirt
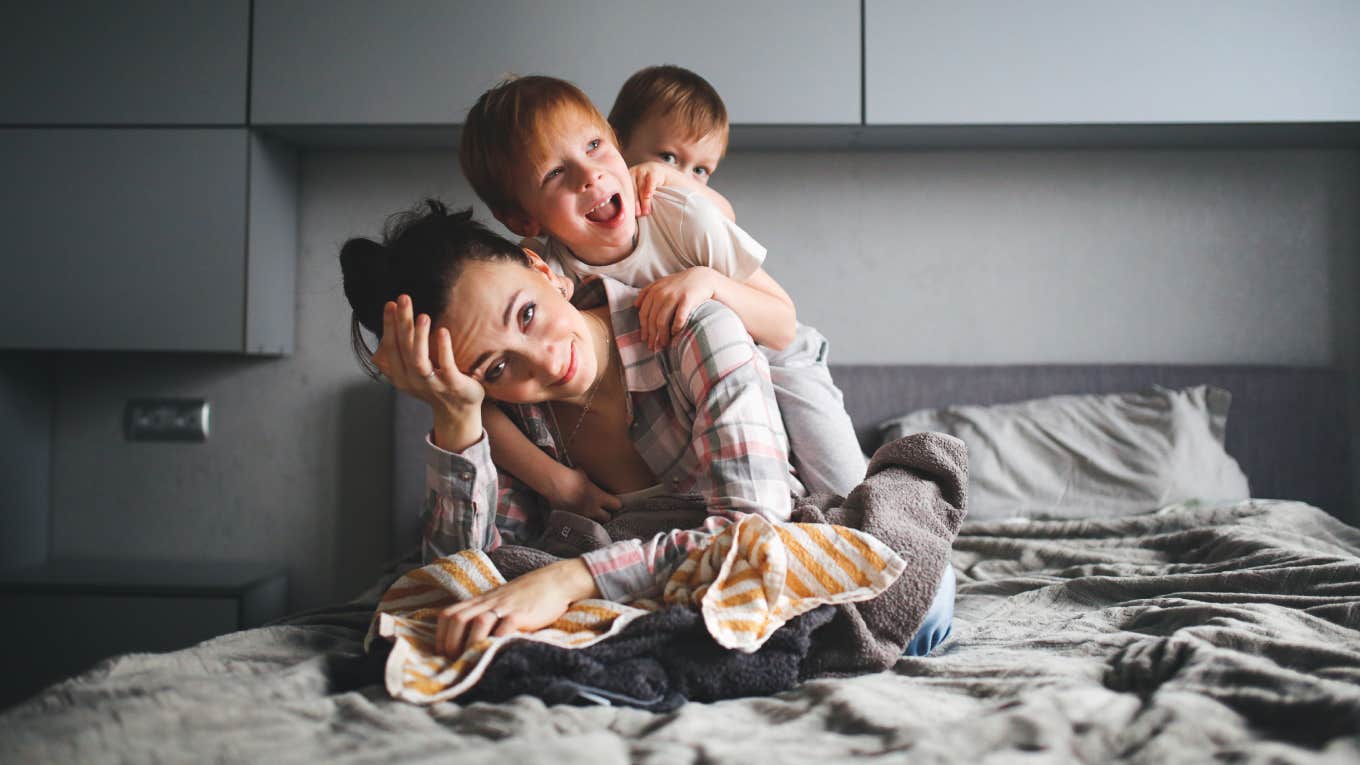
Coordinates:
[704,419]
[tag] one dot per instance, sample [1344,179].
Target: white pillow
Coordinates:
[1090,456]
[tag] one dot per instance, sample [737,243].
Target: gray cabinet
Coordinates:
[132,62]
[148,239]
[351,62]
[978,62]
[75,613]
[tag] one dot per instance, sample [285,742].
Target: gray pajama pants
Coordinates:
[822,443]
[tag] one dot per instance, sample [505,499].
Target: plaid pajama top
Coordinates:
[704,419]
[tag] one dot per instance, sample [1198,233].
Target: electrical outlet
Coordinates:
[166,419]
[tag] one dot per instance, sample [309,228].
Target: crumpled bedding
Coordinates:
[1192,634]
[659,662]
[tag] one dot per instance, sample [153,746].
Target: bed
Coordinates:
[1197,631]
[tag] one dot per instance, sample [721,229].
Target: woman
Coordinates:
[462,314]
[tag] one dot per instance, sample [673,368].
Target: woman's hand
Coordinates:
[403,357]
[573,491]
[665,305]
[528,603]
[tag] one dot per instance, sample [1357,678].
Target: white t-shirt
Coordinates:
[683,230]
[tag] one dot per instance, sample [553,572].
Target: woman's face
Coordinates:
[515,333]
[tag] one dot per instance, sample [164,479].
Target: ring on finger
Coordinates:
[432,373]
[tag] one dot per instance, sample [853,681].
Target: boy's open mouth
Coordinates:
[607,211]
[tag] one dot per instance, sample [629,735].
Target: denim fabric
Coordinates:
[939,619]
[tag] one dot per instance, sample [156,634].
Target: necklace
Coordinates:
[590,397]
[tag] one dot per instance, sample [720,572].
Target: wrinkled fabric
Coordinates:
[1197,634]
[658,662]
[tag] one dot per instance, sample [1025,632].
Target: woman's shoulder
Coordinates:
[712,337]
[713,318]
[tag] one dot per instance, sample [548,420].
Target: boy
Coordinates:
[544,160]
[671,115]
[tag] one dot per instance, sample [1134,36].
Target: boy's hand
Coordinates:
[647,177]
[665,305]
[576,493]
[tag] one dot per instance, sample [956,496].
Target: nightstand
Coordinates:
[64,616]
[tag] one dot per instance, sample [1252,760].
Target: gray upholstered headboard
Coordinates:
[1287,427]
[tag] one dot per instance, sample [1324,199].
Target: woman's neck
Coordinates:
[606,348]
[607,377]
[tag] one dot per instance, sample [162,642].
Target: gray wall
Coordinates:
[1243,256]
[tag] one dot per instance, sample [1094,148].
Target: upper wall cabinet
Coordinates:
[170,239]
[353,62]
[980,62]
[132,62]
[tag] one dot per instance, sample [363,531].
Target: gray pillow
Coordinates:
[1090,456]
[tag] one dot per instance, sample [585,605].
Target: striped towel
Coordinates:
[747,581]
[756,575]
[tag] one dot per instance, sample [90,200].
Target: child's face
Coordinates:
[580,193]
[658,138]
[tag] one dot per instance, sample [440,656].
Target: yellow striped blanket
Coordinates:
[747,581]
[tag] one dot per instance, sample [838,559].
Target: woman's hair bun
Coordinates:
[367,269]
[421,254]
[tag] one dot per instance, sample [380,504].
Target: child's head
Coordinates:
[544,159]
[671,114]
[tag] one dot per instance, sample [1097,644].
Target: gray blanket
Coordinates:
[1191,635]
[912,499]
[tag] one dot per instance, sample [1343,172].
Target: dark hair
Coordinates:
[422,253]
[668,90]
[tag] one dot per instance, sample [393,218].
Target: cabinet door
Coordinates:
[124,239]
[66,634]
[132,62]
[963,62]
[350,62]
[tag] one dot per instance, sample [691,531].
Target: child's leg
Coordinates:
[822,442]
[939,621]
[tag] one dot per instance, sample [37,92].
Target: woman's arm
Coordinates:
[465,506]
[462,497]
[530,602]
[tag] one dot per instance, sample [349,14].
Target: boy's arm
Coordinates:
[762,305]
[563,487]
[647,176]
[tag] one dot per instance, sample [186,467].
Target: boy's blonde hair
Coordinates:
[508,131]
[669,90]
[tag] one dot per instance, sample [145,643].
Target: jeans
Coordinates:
[939,619]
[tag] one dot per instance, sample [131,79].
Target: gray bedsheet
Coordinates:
[1193,634]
